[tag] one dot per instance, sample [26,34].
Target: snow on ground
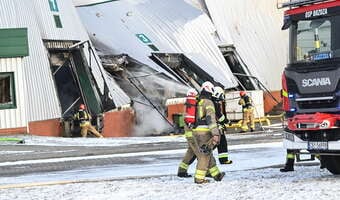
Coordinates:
[159,163]
[117,141]
[79,141]
[303,183]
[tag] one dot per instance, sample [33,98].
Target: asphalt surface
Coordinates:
[24,152]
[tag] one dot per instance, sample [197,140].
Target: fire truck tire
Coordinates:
[332,163]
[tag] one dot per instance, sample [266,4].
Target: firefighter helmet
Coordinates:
[192,92]
[82,107]
[208,87]
[242,93]
[218,93]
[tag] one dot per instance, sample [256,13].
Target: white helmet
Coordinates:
[218,93]
[192,92]
[208,87]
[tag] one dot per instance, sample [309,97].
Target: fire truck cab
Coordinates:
[310,81]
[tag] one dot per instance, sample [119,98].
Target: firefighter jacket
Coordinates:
[246,102]
[206,116]
[83,117]
[220,117]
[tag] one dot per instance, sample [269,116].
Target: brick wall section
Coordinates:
[174,109]
[12,131]
[118,123]
[50,127]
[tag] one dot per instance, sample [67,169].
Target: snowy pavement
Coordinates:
[245,157]
[269,183]
[254,174]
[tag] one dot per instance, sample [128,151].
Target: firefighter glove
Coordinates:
[216,139]
[205,149]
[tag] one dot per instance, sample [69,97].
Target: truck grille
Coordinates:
[317,104]
[319,135]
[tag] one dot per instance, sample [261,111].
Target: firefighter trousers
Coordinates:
[222,149]
[88,127]
[248,116]
[189,157]
[205,160]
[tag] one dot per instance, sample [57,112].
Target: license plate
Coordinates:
[317,145]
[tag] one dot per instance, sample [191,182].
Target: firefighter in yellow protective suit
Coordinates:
[84,119]
[248,112]
[207,136]
[192,149]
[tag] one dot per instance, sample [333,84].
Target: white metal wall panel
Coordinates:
[172,26]
[255,30]
[12,118]
[41,94]
[71,26]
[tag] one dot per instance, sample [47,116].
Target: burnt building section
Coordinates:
[148,90]
[245,79]
[72,78]
[184,69]
[239,69]
[75,84]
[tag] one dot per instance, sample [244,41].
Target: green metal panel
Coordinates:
[93,103]
[53,5]
[13,42]
[57,21]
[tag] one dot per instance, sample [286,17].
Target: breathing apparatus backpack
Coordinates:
[190,107]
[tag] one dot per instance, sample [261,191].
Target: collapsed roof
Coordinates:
[139,28]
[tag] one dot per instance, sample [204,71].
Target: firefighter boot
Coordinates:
[183,174]
[201,181]
[227,162]
[289,166]
[219,176]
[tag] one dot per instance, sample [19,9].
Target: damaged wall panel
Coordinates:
[148,90]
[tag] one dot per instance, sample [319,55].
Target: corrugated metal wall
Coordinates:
[36,96]
[42,97]
[254,27]
[71,26]
[35,90]
[16,117]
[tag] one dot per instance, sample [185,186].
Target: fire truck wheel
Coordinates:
[332,163]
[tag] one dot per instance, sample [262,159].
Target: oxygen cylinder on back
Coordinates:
[190,107]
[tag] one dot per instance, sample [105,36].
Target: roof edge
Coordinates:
[93,4]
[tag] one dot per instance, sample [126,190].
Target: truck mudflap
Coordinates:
[291,141]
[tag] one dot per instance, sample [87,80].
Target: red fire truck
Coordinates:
[310,82]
